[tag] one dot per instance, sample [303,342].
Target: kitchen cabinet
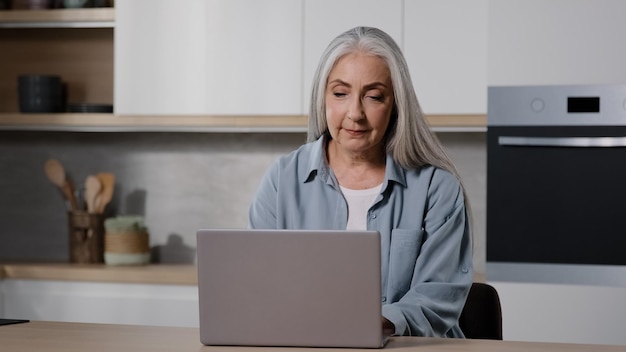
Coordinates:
[582,314]
[98,302]
[219,57]
[160,55]
[164,295]
[254,61]
[445,43]
[569,42]
[193,66]
[325,19]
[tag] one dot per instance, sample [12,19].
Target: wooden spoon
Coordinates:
[56,174]
[92,188]
[106,194]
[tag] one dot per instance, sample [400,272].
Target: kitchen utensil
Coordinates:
[56,174]
[107,180]
[92,189]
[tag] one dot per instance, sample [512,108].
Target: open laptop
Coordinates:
[290,288]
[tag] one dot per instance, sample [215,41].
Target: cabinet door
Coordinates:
[216,57]
[325,19]
[446,48]
[534,42]
[254,57]
[99,302]
[160,57]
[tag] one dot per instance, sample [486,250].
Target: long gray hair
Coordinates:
[409,139]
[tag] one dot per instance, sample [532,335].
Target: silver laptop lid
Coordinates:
[290,288]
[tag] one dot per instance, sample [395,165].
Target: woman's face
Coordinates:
[359,101]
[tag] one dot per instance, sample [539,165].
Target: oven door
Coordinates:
[556,195]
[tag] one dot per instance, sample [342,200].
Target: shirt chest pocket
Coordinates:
[404,249]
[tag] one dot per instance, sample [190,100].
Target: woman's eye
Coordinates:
[376,97]
[339,95]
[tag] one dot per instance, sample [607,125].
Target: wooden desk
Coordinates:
[53,337]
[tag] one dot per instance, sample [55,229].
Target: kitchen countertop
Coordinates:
[160,274]
[144,274]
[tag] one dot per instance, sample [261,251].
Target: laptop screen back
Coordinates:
[289,288]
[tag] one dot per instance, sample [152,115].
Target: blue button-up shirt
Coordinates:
[426,250]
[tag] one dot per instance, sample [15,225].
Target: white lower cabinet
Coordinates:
[562,313]
[94,302]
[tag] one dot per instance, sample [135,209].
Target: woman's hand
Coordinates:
[388,327]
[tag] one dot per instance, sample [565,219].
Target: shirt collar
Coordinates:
[394,172]
[318,165]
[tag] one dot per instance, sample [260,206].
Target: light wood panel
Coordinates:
[58,15]
[144,274]
[103,122]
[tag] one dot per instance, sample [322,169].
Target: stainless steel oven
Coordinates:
[556,184]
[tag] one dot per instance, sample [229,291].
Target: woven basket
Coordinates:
[126,242]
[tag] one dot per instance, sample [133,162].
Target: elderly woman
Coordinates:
[372,163]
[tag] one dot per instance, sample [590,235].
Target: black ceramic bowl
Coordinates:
[40,93]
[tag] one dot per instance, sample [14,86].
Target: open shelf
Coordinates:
[59,18]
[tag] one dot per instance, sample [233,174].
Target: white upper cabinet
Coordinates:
[445,43]
[538,42]
[246,57]
[217,57]
[254,57]
[325,19]
[160,57]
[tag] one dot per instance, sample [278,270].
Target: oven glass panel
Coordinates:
[563,205]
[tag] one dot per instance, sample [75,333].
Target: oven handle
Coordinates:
[603,142]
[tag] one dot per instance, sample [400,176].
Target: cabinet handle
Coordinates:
[602,142]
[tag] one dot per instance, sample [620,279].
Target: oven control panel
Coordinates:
[570,105]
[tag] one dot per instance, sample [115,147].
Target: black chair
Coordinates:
[481,317]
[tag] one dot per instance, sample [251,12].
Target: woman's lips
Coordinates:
[354,132]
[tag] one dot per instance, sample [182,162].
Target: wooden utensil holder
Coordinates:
[86,237]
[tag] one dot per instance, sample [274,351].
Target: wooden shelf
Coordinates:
[199,123]
[96,17]
[140,274]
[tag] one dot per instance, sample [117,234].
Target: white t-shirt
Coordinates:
[359,202]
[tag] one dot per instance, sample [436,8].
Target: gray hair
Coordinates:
[409,139]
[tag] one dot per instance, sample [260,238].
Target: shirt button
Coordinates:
[373,216]
[384,299]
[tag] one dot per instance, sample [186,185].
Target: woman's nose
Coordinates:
[355,111]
